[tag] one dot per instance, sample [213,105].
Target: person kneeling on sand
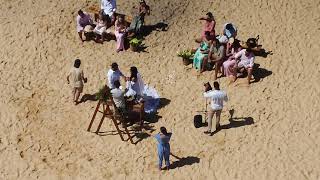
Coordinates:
[77,79]
[163,138]
[217,97]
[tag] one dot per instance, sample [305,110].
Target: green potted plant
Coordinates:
[102,94]
[134,44]
[186,56]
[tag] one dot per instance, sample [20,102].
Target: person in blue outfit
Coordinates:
[163,138]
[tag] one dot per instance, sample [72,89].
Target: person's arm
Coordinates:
[148,10]
[109,78]
[82,76]
[114,5]
[229,50]
[68,79]
[251,62]
[102,5]
[202,18]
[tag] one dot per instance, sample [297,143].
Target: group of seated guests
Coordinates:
[223,52]
[106,18]
[133,90]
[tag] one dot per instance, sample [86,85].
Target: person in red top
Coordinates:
[209,25]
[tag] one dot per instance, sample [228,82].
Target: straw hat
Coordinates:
[88,29]
[231,40]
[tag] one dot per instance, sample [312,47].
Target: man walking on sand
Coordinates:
[217,97]
[77,80]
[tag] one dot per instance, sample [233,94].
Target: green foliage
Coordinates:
[135,42]
[102,95]
[186,54]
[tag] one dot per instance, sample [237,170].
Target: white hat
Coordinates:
[231,40]
[222,39]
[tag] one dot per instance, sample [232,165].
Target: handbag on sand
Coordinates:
[197,121]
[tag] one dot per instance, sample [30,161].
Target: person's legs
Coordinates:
[249,70]
[218,114]
[120,41]
[216,69]
[204,63]
[210,115]
[80,35]
[78,91]
[167,158]
[74,94]
[160,159]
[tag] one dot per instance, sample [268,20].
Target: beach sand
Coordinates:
[43,135]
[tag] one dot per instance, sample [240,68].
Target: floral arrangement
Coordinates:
[185,54]
[135,42]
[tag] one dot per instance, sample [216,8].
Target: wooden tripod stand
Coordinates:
[114,116]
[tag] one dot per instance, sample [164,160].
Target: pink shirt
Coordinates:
[209,26]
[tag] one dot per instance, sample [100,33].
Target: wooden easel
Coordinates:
[107,112]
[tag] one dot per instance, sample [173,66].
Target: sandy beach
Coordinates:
[43,134]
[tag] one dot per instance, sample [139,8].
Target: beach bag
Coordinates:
[197,121]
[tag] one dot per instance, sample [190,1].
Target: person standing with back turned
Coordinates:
[217,97]
[77,80]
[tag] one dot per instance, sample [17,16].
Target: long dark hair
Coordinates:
[134,72]
[163,130]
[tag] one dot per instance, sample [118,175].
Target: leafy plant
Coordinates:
[102,94]
[135,42]
[186,54]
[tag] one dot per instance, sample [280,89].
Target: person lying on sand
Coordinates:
[209,25]
[217,97]
[83,19]
[113,75]
[163,138]
[77,80]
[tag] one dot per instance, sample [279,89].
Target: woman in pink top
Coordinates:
[120,32]
[233,46]
[209,25]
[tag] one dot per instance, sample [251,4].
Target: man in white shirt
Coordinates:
[113,75]
[217,97]
[109,7]
[245,61]
[118,96]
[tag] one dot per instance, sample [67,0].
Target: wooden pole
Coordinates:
[94,115]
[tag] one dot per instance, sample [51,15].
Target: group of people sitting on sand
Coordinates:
[226,54]
[99,28]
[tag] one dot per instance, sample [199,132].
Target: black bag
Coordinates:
[197,121]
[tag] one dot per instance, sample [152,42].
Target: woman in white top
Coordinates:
[77,80]
[135,83]
[245,61]
[101,28]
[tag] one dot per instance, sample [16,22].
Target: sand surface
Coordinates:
[43,135]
